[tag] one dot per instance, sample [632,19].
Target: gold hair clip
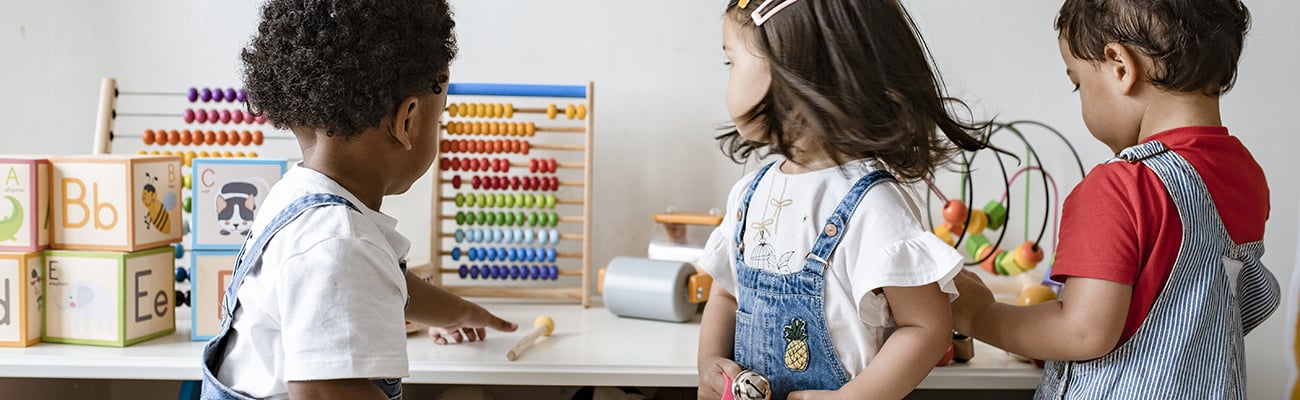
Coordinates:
[742,4]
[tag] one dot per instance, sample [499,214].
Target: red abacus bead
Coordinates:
[525,146]
[147,136]
[245,138]
[454,163]
[546,185]
[188,116]
[551,165]
[477,182]
[237,117]
[455,182]
[502,182]
[527,183]
[445,145]
[514,183]
[537,182]
[186,137]
[248,117]
[225,116]
[258,138]
[505,164]
[234,138]
[173,137]
[261,119]
[444,164]
[532,165]
[473,164]
[221,137]
[555,183]
[213,116]
[484,164]
[200,116]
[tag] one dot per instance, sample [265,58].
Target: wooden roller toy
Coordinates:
[542,326]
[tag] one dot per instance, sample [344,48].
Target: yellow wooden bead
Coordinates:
[240,154]
[582,111]
[944,234]
[228,154]
[551,111]
[1010,266]
[510,110]
[978,221]
[453,109]
[153,153]
[142,152]
[252,154]
[1035,294]
[570,111]
[497,110]
[531,129]
[512,129]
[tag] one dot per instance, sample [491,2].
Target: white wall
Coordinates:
[660,79]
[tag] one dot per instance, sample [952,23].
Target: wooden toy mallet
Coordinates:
[542,326]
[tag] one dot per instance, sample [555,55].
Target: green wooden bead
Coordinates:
[532,219]
[973,244]
[521,218]
[460,199]
[460,218]
[997,214]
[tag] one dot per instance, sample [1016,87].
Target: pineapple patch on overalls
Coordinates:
[781,329]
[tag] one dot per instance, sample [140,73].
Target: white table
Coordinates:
[590,347]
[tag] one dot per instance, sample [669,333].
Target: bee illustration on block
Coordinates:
[156,210]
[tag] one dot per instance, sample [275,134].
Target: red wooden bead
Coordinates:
[555,183]
[455,182]
[173,137]
[214,116]
[221,137]
[225,116]
[532,165]
[525,145]
[257,138]
[551,165]
[484,164]
[478,182]
[473,164]
[527,183]
[209,137]
[200,116]
[444,164]
[147,136]
[233,137]
[514,183]
[505,164]
[187,137]
[955,213]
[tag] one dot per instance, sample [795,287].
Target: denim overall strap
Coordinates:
[1190,346]
[743,210]
[781,327]
[249,258]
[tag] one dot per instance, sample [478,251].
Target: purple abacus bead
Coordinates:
[225,116]
[188,116]
[230,95]
[473,272]
[206,95]
[464,271]
[514,272]
[192,95]
[242,96]
[500,271]
[218,95]
[214,116]
[537,272]
[555,272]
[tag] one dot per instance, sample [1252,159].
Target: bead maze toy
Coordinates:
[512,192]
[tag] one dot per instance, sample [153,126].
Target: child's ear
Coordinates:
[1122,66]
[403,119]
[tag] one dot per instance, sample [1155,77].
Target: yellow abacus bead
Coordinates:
[142,152]
[510,110]
[204,154]
[582,111]
[978,222]
[228,155]
[498,129]
[530,129]
[481,109]
[453,128]
[452,109]
[551,111]
[153,153]
[512,129]
[497,110]
[240,154]
[252,154]
[570,111]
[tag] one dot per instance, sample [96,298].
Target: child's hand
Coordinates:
[974,297]
[470,326]
[712,384]
[815,395]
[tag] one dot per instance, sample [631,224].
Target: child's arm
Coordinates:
[924,331]
[449,315]
[1085,324]
[717,342]
[342,389]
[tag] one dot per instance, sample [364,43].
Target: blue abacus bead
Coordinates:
[473,272]
[514,254]
[503,272]
[499,235]
[550,254]
[180,251]
[537,272]
[459,235]
[463,271]
[182,274]
[491,272]
[555,236]
[528,236]
[192,95]
[514,272]
[455,253]
[555,272]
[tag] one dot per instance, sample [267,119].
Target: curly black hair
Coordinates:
[341,66]
[1194,44]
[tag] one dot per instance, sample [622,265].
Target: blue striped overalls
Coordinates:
[775,310]
[1191,344]
[250,257]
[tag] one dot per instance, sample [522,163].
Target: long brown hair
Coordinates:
[856,79]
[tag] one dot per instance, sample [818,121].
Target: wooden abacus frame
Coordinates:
[442,258]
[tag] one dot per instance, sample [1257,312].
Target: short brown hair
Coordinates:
[1193,44]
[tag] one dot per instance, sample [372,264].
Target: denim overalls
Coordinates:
[250,257]
[781,329]
[1191,344]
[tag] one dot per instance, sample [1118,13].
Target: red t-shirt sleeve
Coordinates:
[1098,236]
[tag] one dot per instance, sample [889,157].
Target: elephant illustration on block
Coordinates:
[87,308]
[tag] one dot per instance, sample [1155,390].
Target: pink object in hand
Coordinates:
[726,390]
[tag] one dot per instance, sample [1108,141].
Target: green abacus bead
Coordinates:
[501,216]
[555,219]
[470,219]
[519,199]
[482,200]
[521,218]
[460,218]
[492,219]
[482,218]
[532,219]
[550,201]
[501,200]
[460,199]
[509,219]
[187,205]
[491,200]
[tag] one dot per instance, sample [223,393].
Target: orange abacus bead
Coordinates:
[258,138]
[233,137]
[479,147]
[173,137]
[186,137]
[245,138]
[147,136]
[209,137]
[496,146]
[221,137]
[525,145]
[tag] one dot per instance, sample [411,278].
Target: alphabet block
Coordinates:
[24,204]
[21,299]
[226,193]
[108,298]
[211,271]
[116,203]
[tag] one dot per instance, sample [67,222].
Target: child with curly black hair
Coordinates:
[825,281]
[319,296]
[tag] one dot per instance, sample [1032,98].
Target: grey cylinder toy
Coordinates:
[649,289]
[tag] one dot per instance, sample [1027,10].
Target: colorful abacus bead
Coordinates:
[455,253]
[463,271]
[473,272]
[192,95]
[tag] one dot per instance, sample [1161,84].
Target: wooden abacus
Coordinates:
[490,160]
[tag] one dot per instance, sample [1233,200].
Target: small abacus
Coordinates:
[512,197]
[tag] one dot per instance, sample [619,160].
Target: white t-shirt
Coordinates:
[883,245]
[328,301]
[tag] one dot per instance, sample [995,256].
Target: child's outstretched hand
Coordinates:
[471,326]
[973,297]
[712,384]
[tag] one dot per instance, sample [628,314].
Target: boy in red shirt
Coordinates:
[1159,248]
